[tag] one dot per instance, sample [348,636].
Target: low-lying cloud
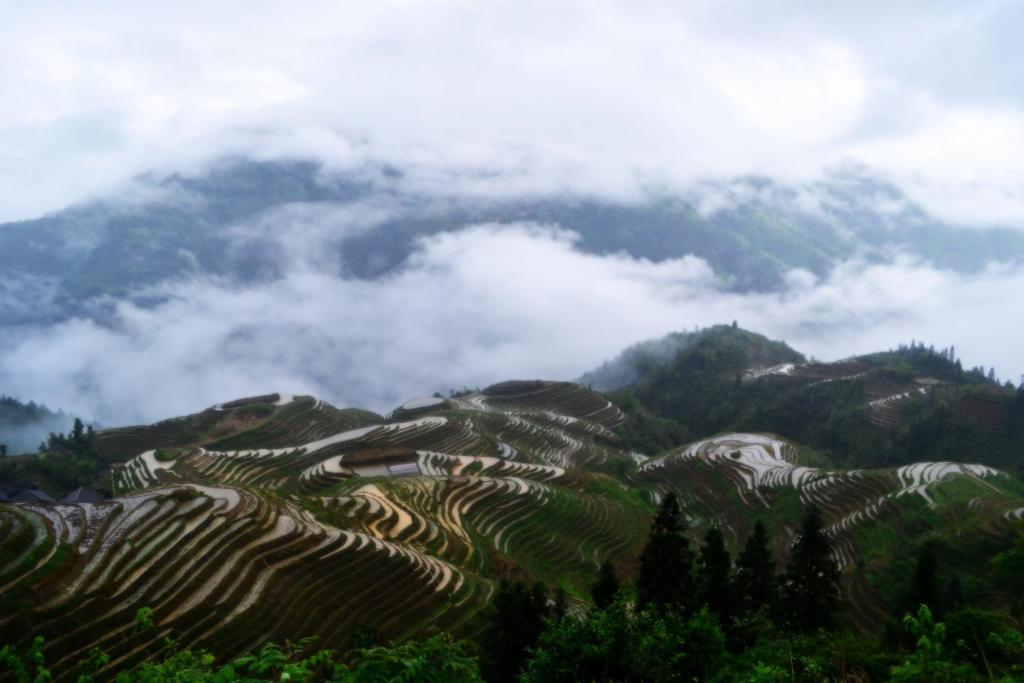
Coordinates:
[472,307]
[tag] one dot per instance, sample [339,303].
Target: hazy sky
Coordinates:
[497,99]
[587,94]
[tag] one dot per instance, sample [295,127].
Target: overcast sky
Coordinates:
[590,94]
[601,97]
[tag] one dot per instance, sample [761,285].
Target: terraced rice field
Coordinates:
[887,410]
[307,520]
[812,373]
[294,518]
[981,409]
[731,479]
[886,397]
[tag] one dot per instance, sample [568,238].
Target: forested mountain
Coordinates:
[751,231]
[887,408]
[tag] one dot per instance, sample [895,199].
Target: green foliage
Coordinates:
[89,667]
[436,660]
[180,667]
[621,643]
[29,667]
[986,640]
[144,619]
[276,663]
[930,661]
[165,454]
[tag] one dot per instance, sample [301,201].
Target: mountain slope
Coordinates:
[278,517]
[886,408]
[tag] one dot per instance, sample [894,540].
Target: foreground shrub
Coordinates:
[620,643]
[437,660]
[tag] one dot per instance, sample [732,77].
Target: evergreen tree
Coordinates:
[535,608]
[77,434]
[954,597]
[755,583]
[924,587]
[715,576]
[607,587]
[812,579]
[665,578]
[517,618]
[561,606]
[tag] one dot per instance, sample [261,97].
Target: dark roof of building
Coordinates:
[32,496]
[81,495]
[15,487]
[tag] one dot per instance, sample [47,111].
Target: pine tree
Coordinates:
[812,579]
[924,586]
[535,608]
[561,606]
[954,597]
[517,619]
[606,589]
[665,577]
[77,432]
[715,576]
[755,583]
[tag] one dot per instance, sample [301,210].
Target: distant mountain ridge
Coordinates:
[750,230]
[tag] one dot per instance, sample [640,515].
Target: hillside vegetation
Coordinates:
[274,518]
[883,409]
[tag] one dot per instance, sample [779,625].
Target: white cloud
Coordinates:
[475,307]
[966,165]
[532,96]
